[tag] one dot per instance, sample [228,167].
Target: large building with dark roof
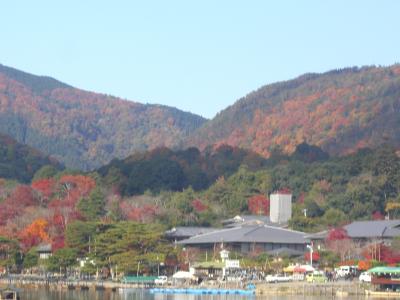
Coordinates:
[248,238]
[365,232]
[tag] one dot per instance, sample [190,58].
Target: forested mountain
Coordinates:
[84,129]
[339,111]
[165,170]
[21,162]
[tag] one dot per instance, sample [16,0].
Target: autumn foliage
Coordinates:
[258,205]
[315,256]
[35,233]
[381,252]
[340,111]
[85,129]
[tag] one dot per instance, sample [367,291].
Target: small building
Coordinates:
[44,251]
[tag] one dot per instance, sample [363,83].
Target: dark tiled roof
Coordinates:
[188,231]
[249,234]
[366,229]
[371,229]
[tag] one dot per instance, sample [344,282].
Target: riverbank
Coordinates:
[341,288]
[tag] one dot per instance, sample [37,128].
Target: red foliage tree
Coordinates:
[75,187]
[144,214]
[315,256]
[258,205]
[45,188]
[339,242]
[377,216]
[23,196]
[198,205]
[300,199]
[337,234]
[381,252]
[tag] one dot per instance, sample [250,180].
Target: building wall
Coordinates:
[280,207]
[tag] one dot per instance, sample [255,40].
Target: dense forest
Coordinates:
[340,111]
[165,170]
[77,211]
[21,162]
[82,129]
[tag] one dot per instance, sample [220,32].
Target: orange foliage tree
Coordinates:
[34,234]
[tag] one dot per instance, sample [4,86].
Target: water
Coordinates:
[139,294]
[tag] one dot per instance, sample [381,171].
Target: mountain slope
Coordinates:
[164,169]
[19,161]
[339,111]
[83,129]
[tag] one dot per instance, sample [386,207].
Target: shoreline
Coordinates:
[261,288]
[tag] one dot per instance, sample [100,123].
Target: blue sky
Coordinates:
[199,56]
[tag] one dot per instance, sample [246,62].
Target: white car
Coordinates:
[278,278]
[365,277]
[161,280]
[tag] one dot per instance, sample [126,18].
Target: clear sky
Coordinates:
[199,56]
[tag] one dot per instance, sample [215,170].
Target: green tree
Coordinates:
[334,217]
[31,258]
[93,207]
[80,236]
[62,259]
[45,172]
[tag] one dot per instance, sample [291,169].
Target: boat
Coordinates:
[385,294]
[10,293]
[195,291]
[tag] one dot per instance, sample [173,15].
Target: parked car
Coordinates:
[316,276]
[365,277]
[278,278]
[161,280]
[346,271]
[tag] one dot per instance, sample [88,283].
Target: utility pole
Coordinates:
[311,253]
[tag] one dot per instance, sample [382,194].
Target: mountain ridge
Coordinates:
[287,113]
[340,111]
[82,129]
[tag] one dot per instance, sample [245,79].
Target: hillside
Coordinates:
[82,129]
[165,170]
[339,111]
[20,162]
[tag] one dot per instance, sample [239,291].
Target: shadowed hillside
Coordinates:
[19,161]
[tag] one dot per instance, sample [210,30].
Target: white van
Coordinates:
[344,271]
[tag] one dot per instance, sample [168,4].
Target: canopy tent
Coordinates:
[303,269]
[289,269]
[384,270]
[183,275]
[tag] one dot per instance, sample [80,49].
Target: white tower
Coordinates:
[280,207]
